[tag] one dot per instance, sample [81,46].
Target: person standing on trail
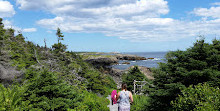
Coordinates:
[124,96]
[113,97]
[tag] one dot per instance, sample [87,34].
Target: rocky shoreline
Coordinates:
[105,61]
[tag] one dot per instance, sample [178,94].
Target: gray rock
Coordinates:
[8,74]
[103,61]
[129,57]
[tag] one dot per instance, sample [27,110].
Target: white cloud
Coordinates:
[135,20]
[216,3]
[9,24]
[29,30]
[213,12]
[143,7]
[6,9]
[97,8]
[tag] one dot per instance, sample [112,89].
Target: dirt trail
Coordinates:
[112,107]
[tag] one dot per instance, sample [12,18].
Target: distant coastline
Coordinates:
[124,60]
[150,63]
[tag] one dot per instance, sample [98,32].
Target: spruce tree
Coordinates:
[2,33]
[197,64]
[133,74]
[59,35]
[47,92]
[201,97]
[59,47]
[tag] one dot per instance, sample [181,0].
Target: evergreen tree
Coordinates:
[59,35]
[2,33]
[47,92]
[197,64]
[59,47]
[11,98]
[201,97]
[133,74]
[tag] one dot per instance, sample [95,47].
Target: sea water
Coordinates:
[158,57]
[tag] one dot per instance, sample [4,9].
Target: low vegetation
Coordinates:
[56,79]
[52,78]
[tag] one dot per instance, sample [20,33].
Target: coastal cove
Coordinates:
[124,60]
[116,64]
[156,57]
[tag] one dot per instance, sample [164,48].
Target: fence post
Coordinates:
[134,86]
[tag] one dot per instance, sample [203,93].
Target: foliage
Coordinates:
[201,97]
[197,64]
[59,35]
[11,98]
[92,102]
[59,47]
[133,74]
[47,92]
[140,103]
[97,82]
[68,82]
[2,33]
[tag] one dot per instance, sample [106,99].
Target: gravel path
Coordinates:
[112,107]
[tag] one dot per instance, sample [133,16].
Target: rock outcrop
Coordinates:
[126,63]
[103,61]
[129,57]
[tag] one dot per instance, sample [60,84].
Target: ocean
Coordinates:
[158,57]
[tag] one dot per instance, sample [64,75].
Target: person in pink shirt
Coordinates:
[113,97]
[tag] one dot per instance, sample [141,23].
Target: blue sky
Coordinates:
[115,25]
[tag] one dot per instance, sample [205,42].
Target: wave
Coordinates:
[122,64]
[156,59]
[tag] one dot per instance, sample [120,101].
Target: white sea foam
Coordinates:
[122,64]
[156,59]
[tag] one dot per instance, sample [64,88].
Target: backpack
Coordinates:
[113,94]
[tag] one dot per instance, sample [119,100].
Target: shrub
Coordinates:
[197,64]
[47,92]
[91,102]
[133,74]
[59,47]
[140,103]
[11,98]
[201,97]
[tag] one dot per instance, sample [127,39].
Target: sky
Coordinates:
[115,25]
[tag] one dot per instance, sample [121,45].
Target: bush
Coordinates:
[197,64]
[201,97]
[133,74]
[140,103]
[59,47]
[91,102]
[11,98]
[47,92]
